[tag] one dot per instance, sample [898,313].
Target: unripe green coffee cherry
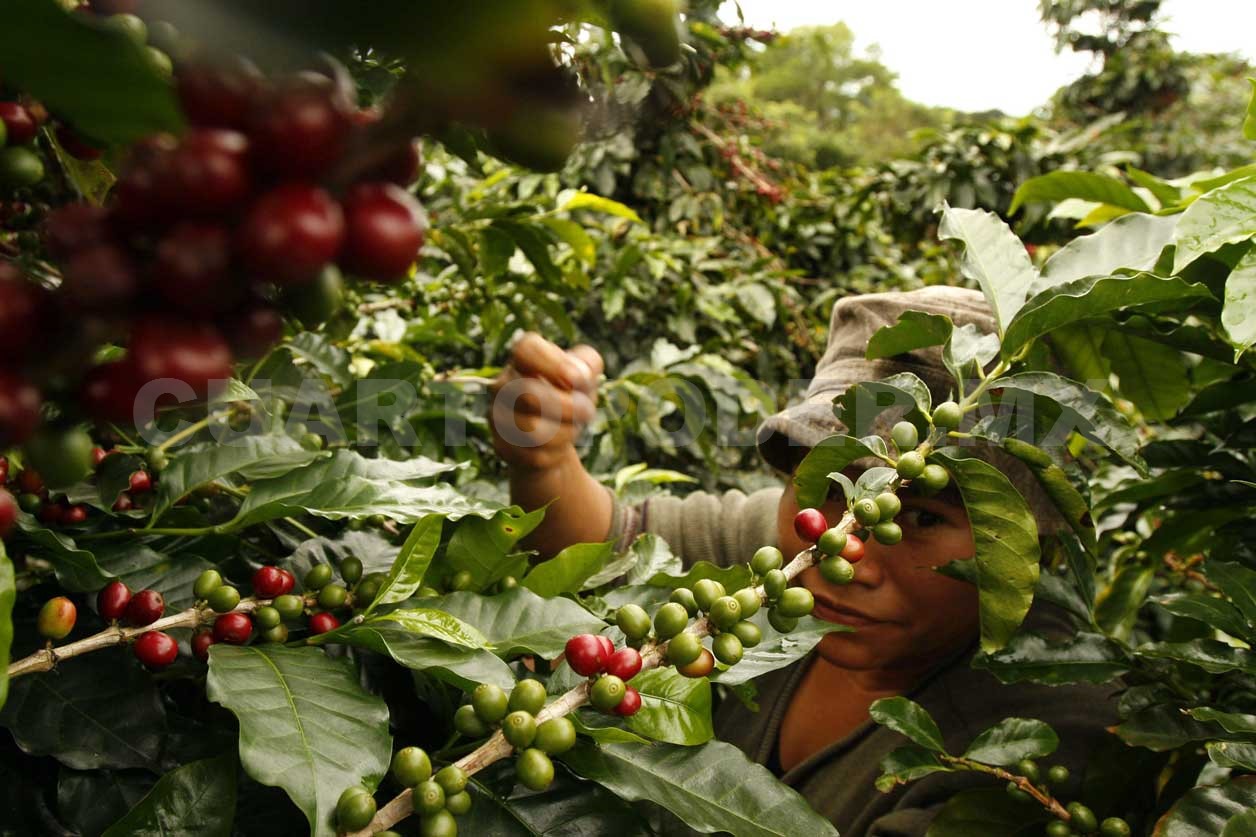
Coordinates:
[266,617]
[888,533]
[224,599]
[832,542]
[468,723]
[683,596]
[452,778]
[725,612]
[774,584]
[461,581]
[459,803]
[489,701]
[355,809]
[332,597]
[947,415]
[1059,828]
[1014,791]
[727,649]
[411,766]
[933,479]
[837,570]
[633,621]
[706,591]
[507,582]
[534,769]
[671,619]
[866,511]
[1029,769]
[555,736]
[289,606]
[317,577]
[889,505]
[749,601]
[904,435]
[781,622]
[206,583]
[440,824]
[910,465]
[157,460]
[748,633]
[608,690]
[766,559]
[277,634]
[527,696]
[387,832]
[796,602]
[365,592]
[1057,775]
[1114,827]
[351,570]
[1083,818]
[684,649]
[519,728]
[429,797]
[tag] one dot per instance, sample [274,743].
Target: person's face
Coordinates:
[905,615]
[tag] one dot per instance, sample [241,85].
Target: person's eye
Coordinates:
[921,518]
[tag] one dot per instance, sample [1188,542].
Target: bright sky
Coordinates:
[979,55]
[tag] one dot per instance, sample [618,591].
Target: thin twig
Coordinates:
[1044,799]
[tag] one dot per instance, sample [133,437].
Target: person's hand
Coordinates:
[542,400]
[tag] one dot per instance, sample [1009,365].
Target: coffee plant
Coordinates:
[258,570]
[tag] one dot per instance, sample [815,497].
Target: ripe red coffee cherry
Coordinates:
[145,608]
[51,514]
[810,525]
[400,167]
[586,654]
[208,173]
[30,482]
[98,456]
[192,268]
[123,503]
[75,145]
[234,628]
[112,600]
[201,641]
[141,482]
[74,515]
[608,647]
[24,309]
[321,623]
[630,704]
[854,550]
[289,581]
[192,352]
[302,128]
[268,582]
[19,411]
[100,278]
[8,513]
[383,231]
[74,227]
[220,94]
[155,649]
[109,391]
[290,233]
[19,124]
[624,664]
[253,329]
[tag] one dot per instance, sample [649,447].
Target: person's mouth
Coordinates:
[831,611]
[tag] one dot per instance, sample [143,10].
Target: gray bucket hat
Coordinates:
[784,438]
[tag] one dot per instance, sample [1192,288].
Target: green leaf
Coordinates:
[519,621]
[1223,216]
[347,485]
[318,352]
[143,568]
[967,349]
[99,710]
[306,724]
[496,248]
[1088,412]
[464,668]
[1133,242]
[1209,654]
[712,787]
[987,812]
[1005,540]
[1229,721]
[861,404]
[1212,611]
[1088,186]
[1094,297]
[482,546]
[411,563]
[1082,658]
[1238,583]
[1011,740]
[908,718]
[196,799]
[1238,316]
[907,764]
[8,594]
[1151,374]
[1234,754]
[567,571]
[77,570]
[254,457]
[600,729]
[595,203]
[575,237]
[89,801]
[567,808]
[776,650]
[1163,191]
[99,81]
[835,453]
[1206,810]
[993,257]
[674,708]
[914,330]
[1249,121]
[419,621]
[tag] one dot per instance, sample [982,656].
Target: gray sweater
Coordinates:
[838,781]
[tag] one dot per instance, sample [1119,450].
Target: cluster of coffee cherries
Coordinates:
[841,550]
[1081,820]
[593,655]
[927,478]
[118,604]
[438,797]
[515,715]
